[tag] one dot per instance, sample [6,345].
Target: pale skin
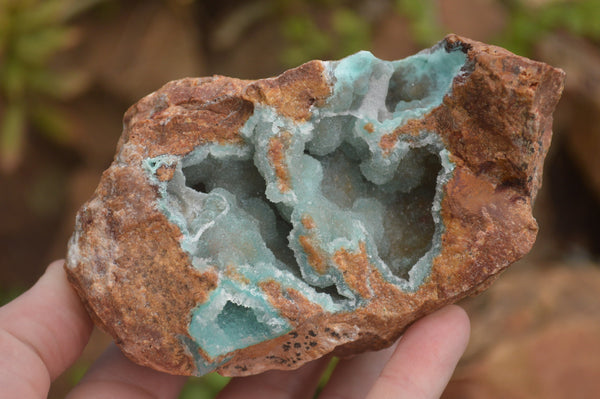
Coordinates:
[45,330]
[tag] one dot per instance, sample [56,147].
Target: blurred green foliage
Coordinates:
[423,19]
[343,30]
[326,375]
[339,31]
[528,23]
[306,40]
[32,32]
[206,387]
[353,32]
[77,371]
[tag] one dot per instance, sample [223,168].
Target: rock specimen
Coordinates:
[254,225]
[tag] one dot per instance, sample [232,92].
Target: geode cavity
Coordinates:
[254,225]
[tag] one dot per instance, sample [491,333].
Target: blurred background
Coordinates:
[70,68]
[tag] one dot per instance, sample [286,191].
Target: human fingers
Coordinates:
[41,333]
[277,384]
[354,377]
[425,357]
[115,376]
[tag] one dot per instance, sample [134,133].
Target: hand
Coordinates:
[44,331]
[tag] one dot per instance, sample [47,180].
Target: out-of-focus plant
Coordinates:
[352,31]
[305,41]
[32,33]
[206,387]
[528,22]
[423,20]
[339,32]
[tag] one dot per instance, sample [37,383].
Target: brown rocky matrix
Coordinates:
[253,225]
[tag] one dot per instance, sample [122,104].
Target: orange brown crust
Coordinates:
[315,258]
[278,145]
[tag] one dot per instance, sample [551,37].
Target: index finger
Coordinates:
[41,333]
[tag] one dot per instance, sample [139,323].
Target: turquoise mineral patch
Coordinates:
[248,206]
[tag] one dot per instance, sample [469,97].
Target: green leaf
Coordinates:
[195,391]
[77,371]
[328,372]
[216,381]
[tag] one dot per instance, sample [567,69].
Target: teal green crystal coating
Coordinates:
[235,213]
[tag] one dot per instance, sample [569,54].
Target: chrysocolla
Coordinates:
[332,185]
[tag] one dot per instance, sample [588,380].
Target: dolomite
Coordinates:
[253,225]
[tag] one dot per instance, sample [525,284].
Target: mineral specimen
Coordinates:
[254,225]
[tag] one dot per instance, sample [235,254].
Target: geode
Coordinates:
[253,225]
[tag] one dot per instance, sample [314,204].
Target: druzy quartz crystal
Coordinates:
[254,225]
